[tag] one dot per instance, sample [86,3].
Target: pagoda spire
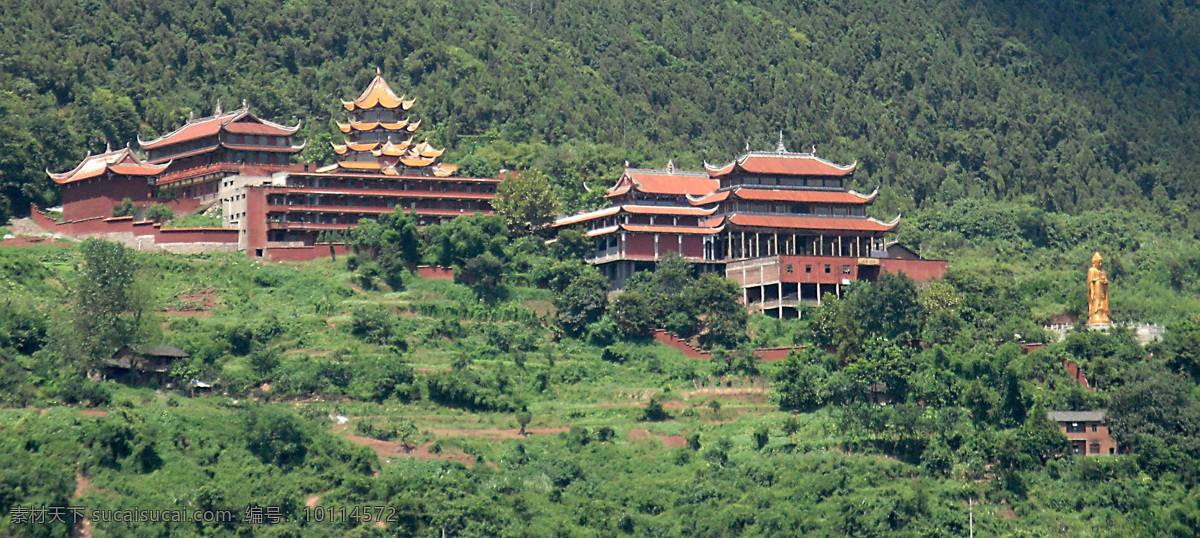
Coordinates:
[217,111]
[780,148]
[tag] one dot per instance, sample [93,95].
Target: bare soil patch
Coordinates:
[83,485]
[93,413]
[196,303]
[737,393]
[492,433]
[390,449]
[23,241]
[668,441]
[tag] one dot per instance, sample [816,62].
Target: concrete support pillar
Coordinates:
[818,294]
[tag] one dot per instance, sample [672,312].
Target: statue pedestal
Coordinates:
[1099,326]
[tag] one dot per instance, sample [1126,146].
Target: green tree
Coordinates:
[583,301]
[799,384]
[633,313]
[526,201]
[523,419]
[110,119]
[159,213]
[717,299]
[484,274]
[1182,347]
[572,245]
[109,302]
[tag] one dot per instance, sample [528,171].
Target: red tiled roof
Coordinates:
[255,128]
[782,163]
[679,183]
[212,125]
[122,162]
[814,223]
[617,191]
[788,195]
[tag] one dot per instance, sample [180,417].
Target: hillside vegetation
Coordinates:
[1066,106]
[523,401]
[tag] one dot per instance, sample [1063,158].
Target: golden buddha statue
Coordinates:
[1097,293]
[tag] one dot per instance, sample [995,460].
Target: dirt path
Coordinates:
[27,227]
[668,441]
[492,433]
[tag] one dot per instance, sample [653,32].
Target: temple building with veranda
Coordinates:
[271,206]
[783,225]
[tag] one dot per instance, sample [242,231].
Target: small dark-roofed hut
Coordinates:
[142,365]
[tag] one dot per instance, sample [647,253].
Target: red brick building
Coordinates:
[1087,430]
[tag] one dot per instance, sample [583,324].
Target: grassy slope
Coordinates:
[546,483]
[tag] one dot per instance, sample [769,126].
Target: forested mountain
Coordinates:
[1067,106]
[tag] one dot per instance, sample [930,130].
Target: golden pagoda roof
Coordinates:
[360,165]
[412,127]
[444,170]
[364,146]
[425,150]
[378,93]
[395,126]
[392,150]
[416,162]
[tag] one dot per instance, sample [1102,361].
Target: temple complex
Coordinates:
[784,225]
[245,164]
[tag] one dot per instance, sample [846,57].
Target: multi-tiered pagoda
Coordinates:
[380,134]
[784,225]
[380,167]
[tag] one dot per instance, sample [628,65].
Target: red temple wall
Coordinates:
[302,254]
[639,245]
[693,246]
[919,270]
[97,197]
